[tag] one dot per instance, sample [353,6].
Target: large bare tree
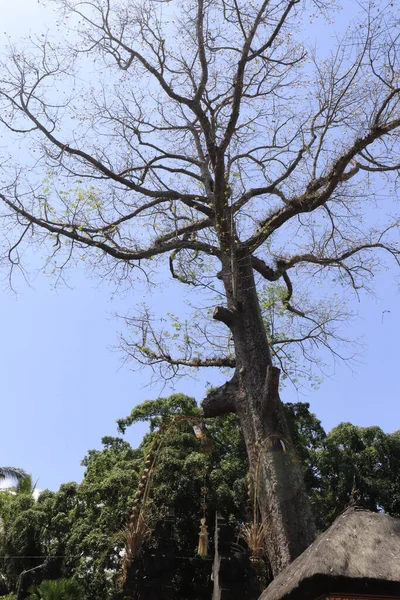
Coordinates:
[205,137]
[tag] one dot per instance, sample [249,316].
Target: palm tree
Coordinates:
[58,589]
[12,473]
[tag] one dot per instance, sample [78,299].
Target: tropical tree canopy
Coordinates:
[77,532]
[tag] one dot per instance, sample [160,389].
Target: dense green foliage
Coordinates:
[363,459]
[185,464]
[58,589]
[76,532]
[189,473]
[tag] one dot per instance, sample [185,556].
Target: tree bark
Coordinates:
[253,394]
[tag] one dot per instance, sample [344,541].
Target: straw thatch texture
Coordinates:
[359,553]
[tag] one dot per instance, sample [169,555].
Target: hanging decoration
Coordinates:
[203,539]
[255,531]
[206,445]
[142,519]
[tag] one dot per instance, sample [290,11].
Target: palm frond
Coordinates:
[12,473]
[134,537]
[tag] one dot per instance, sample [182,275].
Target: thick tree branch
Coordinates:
[266,271]
[194,201]
[273,275]
[283,264]
[153,357]
[224,315]
[193,103]
[338,260]
[202,51]
[223,400]
[74,233]
[286,300]
[320,190]
[184,231]
[248,55]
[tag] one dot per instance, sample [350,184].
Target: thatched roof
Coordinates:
[359,553]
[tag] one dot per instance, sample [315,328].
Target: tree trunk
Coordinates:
[253,394]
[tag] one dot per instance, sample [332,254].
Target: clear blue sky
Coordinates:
[62,387]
